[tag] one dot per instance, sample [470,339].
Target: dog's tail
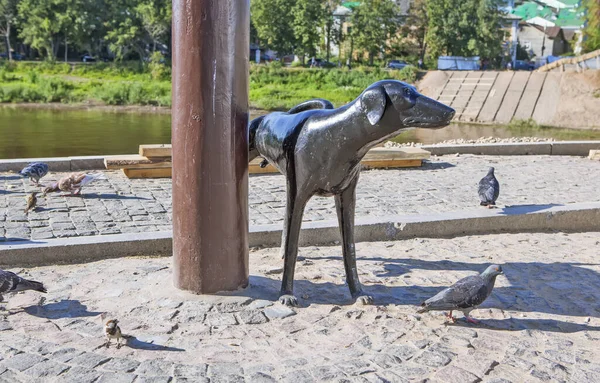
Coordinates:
[316,103]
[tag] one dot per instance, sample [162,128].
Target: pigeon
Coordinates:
[465,295]
[112,331]
[73,182]
[11,282]
[31,202]
[489,189]
[35,171]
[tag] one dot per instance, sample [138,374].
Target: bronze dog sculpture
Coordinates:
[319,149]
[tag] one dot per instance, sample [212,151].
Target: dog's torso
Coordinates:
[310,145]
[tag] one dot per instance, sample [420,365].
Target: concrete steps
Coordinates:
[500,97]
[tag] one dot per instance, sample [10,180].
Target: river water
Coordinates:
[30,133]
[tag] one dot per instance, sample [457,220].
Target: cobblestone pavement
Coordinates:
[448,183]
[541,323]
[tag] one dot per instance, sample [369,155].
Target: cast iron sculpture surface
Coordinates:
[319,149]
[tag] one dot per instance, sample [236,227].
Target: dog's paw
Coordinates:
[364,300]
[288,300]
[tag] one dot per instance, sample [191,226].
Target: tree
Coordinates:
[415,27]
[125,29]
[8,16]
[373,23]
[591,31]
[331,29]
[455,30]
[40,26]
[156,18]
[273,22]
[307,19]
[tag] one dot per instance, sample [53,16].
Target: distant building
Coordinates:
[564,14]
[543,41]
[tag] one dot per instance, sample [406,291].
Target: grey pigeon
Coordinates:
[489,189]
[465,295]
[35,171]
[11,282]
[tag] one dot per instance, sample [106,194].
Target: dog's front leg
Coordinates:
[289,242]
[345,203]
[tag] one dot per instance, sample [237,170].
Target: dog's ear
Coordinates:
[373,103]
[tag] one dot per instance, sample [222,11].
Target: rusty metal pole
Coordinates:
[210,144]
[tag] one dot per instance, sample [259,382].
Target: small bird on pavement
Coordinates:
[35,171]
[31,202]
[465,295]
[489,189]
[112,331]
[73,182]
[11,282]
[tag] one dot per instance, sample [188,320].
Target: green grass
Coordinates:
[271,87]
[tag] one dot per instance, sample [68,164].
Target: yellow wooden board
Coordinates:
[148,173]
[135,161]
[410,152]
[158,150]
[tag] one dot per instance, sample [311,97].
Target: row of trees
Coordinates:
[453,27]
[301,27]
[122,26]
[591,32]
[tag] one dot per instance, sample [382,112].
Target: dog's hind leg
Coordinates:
[345,203]
[289,243]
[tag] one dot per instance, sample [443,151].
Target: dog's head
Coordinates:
[397,104]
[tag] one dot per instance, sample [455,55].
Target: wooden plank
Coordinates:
[406,153]
[594,155]
[148,173]
[378,152]
[135,162]
[373,164]
[158,150]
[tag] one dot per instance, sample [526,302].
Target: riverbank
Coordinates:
[272,87]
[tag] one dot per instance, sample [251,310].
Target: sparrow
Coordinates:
[112,331]
[31,202]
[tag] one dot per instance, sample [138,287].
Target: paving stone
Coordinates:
[89,360]
[120,365]
[260,377]
[116,377]
[432,358]
[154,367]
[221,369]
[46,369]
[298,376]
[221,319]
[78,374]
[22,362]
[278,312]
[453,374]
[252,317]
[189,370]
[154,379]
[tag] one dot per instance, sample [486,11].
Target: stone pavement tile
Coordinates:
[116,377]
[453,374]
[120,365]
[154,367]
[153,379]
[46,369]
[22,362]
[78,374]
[297,376]
[89,360]
[189,370]
[432,358]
